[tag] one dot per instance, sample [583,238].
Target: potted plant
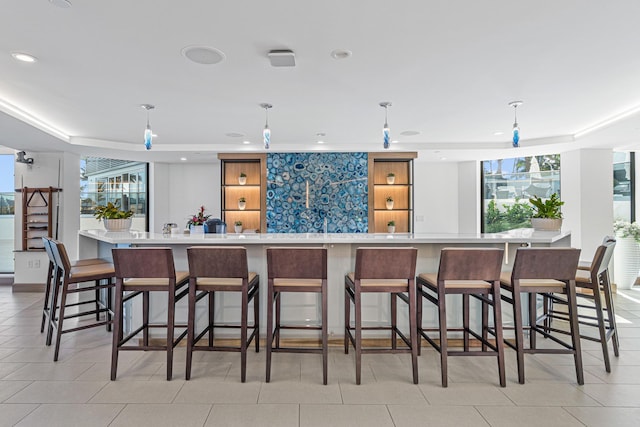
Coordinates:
[389,202]
[238,226]
[242,203]
[196,223]
[391,227]
[391,178]
[114,218]
[547,215]
[242,179]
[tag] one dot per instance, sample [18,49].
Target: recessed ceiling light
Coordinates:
[409,133]
[246,142]
[395,141]
[24,57]
[184,159]
[341,54]
[203,55]
[65,4]
[443,158]
[498,133]
[234,134]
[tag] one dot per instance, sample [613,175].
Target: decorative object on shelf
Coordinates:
[389,202]
[391,226]
[391,178]
[242,203]
[238,226]
[196,223]
[242,179]
[266,132]
[547,215]
[516,128]
[113,217]
[386,133]
[148,134]
[626,259]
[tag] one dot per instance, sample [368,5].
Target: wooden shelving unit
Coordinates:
[253,215]
[37,216]
[401,191]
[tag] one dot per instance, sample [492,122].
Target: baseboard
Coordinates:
[28,287]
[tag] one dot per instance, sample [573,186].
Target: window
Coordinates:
[507,185]
[623,186]
[7,213]
[120,182]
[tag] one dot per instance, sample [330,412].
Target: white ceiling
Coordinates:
[449,68]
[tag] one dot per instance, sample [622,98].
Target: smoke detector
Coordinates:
[282,58]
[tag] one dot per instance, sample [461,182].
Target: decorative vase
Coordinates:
[117,224]
[626,262]
[242,205]
[390,205]
[238,228]
[391,179]
[196,229]
[391,229]
[546,224]
[242,180]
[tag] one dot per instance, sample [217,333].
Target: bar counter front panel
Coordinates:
[341,260]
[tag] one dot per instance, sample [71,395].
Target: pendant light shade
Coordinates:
[516,128]
[148,133]
[386,132]
[266,132]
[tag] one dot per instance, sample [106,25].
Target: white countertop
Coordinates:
[521,235]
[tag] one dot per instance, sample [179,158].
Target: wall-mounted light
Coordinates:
[148,134]
[20,158]
[516,127]
[266,132]
[386,132]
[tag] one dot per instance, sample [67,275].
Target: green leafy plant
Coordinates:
[111,211]
[242,200]
[238,223]
[549,208]
[627,229]
[391,174]
[243,175]
[389,199]
[391,224]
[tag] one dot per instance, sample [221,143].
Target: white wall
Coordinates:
[436,197]
[469,197]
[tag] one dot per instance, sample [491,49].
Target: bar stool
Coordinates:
[590,285]
[296,270]
[467,272]
[66,277]
[140,271]
[377,270]
[222,269]
[543,271]
[51,276]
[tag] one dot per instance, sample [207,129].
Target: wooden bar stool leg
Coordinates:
[444,348]
[519,334]
[575,332]
[145,317]
[97,292]
[53,306]
[171,311]
[277,329]
[413,332]
[611,312]
[256,317]
[117,333]
[63,301]
[325,337]
[358,338]
[419,317]
[212,316]
[497,322]
[485,323]
[394,320]
[602,330]
[243,335]
[191,326]
[532,319]
[465,321]
[47,294]
[270,303]
[347,320]
[109,305]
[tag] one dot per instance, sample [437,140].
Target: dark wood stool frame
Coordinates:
[222,269]
[373,267]
[296,269]
[469,272]
[64,277]
[145,269]
[550,270]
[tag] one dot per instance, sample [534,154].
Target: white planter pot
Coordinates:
[391,228]
[197,229]
[391,179]
[242,205]
[117,224]
[546,224]
[626,262]
[242,180]
[390,205]
[238,228]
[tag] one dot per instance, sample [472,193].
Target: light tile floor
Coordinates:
[76,391]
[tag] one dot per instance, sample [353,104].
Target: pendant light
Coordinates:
[266,132]
[386,133]
[148,134]
[516,128]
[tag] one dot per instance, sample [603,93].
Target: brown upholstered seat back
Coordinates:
[603,257]
[297,263]
[60,255]
[470,264]
[386,263]
[143,263]
[47,247]
[218,261]
[546,263]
